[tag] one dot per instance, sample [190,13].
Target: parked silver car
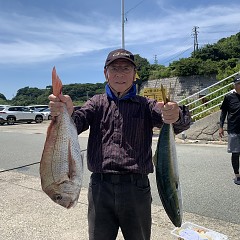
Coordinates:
[46,114]
[12,114]
[37,108]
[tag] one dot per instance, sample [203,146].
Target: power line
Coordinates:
[187,42]
[177,56]
[134,7]
[221,32]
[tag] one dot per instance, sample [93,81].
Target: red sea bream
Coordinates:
[61,166]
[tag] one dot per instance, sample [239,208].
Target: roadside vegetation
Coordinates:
[220,59]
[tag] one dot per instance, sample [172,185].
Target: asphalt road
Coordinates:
[205,170]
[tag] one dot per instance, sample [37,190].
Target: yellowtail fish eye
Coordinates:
[178,212]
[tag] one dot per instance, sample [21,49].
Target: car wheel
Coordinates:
[1,123]
[38,119]
[11,120]
[49,117]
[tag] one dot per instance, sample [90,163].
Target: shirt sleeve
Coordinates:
[224,105]
[184,121]
[84,116]
[224,110]
[222,118]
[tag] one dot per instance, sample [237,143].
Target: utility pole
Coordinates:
[195,35]
[123,19]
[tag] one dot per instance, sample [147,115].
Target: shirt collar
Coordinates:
[131,93]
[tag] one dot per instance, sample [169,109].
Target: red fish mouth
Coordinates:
[71,204]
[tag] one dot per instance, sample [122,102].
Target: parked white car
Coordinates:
[46,114]
[37,108]
[12,114]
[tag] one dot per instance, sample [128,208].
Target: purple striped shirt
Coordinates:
[120,138]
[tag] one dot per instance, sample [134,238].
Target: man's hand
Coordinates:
[170,111]
[221,132]
[56,104]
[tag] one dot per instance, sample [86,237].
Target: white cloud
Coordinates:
[32,39]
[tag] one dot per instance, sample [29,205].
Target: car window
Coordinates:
[12,109]
[38,107]
[1,108]
[41,108]
[45,110]
[26,109]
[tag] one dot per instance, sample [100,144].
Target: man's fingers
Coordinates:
[57,104]
[56,108]
[170,111]
[160,105]
[53,98]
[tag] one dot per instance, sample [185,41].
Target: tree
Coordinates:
[2,97]
[223,73]
[143,67]
[224,49]
[159,71]
[28,96]
[3,100]
[208,67]
[185,67]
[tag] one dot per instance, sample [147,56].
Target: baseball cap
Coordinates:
[117,54]
[236,79]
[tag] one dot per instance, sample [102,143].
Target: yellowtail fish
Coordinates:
[61,166]
[167,176]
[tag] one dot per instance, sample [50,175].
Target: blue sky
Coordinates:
[76,35]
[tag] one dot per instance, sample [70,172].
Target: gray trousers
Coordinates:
[119,202]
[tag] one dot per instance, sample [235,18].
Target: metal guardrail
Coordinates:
[202,106]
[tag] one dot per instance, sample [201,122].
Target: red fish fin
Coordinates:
[71,163]
[56,83]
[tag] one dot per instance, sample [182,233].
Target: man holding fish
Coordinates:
[119,153]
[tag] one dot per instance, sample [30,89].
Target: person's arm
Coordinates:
[224,111]
[184,121]
[221,123]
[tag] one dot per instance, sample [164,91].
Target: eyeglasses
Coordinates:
[125,69]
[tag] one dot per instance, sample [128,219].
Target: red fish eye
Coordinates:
[57,197]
